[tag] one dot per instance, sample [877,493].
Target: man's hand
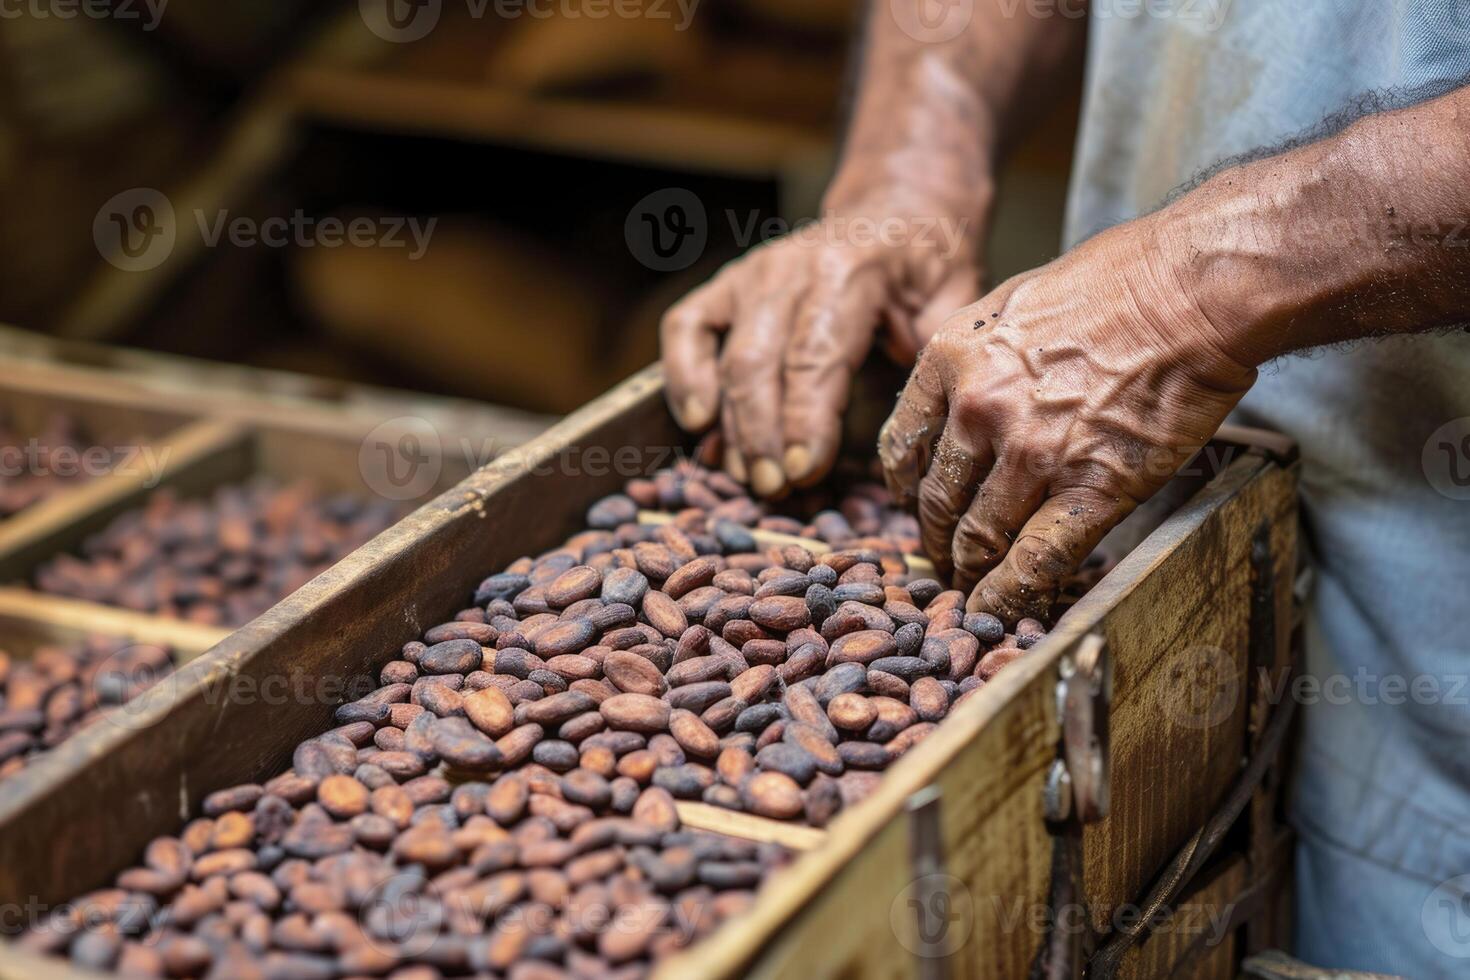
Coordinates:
[798,317]
[1039,417]
[898,247]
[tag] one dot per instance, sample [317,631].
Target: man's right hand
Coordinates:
[799,316]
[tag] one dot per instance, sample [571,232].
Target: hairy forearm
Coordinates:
[1363,234]
[932,116]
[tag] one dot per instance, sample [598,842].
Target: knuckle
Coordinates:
[970,402]
[978,545]
[936,503]
[1040,562]
[680,319]
[1004,601]
[743,362]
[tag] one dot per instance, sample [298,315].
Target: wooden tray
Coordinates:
[201,442]
[843,909]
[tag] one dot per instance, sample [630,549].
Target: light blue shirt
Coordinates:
[1382,789]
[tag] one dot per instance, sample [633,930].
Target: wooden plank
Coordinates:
[198,389]
[1197,940]
[668,137]
[1182,629]
[32,617]
[732,823]
[28,399]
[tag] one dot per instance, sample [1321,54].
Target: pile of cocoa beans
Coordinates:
[359,862]
[504,803]
[38,465]
[48,696]
[220,561]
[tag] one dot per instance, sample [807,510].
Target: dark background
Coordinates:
[529,138]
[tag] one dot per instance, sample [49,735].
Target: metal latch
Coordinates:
[1077,792]
[1078,782]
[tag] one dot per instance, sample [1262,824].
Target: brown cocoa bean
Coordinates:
[773,794]
[992,662]
[655,808]
[861,647]
[664,614]
[570,636]
[929,699]
[506,803]
[781,613]
[636,712]
[693,735]
[814,743]
[515,746]
[851,712]
[556,708]
[490,711]
[573,585]
[633,674]
[342,796]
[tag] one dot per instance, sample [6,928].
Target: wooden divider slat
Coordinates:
[60,523]
[188,640]
[732,823]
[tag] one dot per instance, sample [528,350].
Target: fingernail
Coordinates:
[696,414]
[735,464]
[766,477]
[798,462]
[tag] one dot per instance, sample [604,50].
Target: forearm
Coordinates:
[1366,233]
[932,116]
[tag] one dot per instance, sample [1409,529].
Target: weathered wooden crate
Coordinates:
[961,819]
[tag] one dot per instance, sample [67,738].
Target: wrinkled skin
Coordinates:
[797,317]
[1039,417]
